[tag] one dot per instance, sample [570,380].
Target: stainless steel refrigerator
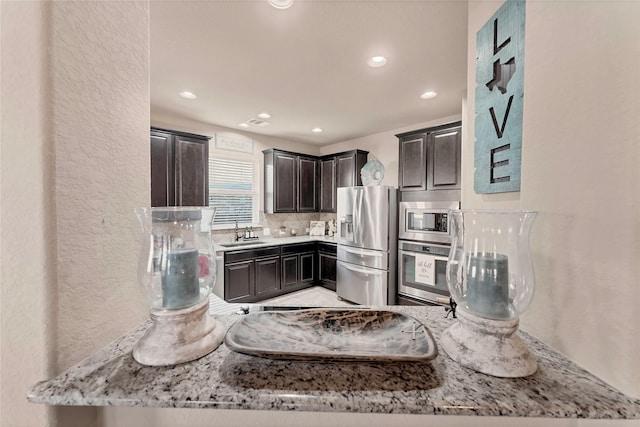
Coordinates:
[367,239]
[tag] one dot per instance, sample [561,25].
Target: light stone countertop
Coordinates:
[273,241]
[227,380]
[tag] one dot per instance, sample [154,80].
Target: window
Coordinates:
[232,190]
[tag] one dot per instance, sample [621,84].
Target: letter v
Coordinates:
[500,131]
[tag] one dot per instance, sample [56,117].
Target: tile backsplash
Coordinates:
[290,221]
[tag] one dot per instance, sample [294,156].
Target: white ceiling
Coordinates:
[307,65]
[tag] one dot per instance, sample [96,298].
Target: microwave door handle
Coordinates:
[363,270]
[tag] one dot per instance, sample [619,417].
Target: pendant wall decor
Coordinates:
[499,100]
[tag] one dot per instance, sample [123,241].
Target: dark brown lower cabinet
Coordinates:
[267,277]
[252,275]
[238,281]
[298,266]
[327,265]
[289,271]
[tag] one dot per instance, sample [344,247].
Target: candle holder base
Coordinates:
[488,346]
[178,336]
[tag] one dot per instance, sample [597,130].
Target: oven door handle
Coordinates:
[363,270]
[413,253]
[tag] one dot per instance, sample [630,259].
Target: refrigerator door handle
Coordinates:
[363,270]
[357,215]
[362,252]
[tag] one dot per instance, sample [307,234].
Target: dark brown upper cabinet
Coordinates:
[339,170]
[430,159]
[328,184]
[307,184]
[444,159]
[179,168]
[290,182]
[413,162]
[296,182]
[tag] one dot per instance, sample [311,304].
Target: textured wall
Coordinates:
[101,124]
[26,247]
[580,171]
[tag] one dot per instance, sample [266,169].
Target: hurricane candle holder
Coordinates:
[176,272]
[490,276]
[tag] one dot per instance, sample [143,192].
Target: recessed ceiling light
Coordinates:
[264,115]
[428,95]
[377,61]
[316,130]
[244,125]
[281,4]
[188,95]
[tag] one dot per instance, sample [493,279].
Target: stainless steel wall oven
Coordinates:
[423,249]
[422,270]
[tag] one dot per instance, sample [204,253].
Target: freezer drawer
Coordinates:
[363,257]
[361,285]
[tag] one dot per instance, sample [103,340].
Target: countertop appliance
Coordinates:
[367,241]
[422,270]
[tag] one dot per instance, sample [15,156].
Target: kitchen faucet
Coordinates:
[236,232]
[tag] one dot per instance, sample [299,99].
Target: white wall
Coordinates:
[75,162]
[580,157]
[26,224]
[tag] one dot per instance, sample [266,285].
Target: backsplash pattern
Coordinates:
[290,221]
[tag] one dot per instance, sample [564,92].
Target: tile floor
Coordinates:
[316,296]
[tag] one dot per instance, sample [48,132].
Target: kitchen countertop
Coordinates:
[224,379]
[271,241]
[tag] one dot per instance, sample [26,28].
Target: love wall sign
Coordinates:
[499,100]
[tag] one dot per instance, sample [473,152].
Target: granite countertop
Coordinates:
[271,241]
[225,379]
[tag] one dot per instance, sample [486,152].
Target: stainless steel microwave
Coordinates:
[426,221]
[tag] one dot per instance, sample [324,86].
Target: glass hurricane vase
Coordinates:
[490,276]
[176,272]
[177,265]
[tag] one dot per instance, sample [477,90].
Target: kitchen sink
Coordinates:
[234,244]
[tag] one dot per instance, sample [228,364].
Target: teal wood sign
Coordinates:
[499,100]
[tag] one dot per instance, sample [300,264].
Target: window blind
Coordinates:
[232,190]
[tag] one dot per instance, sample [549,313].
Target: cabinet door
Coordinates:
[345,170]
[289,271]
[328,185]
[239,281]
[307,270]
[307,189]
[444,153]
[413,162]
[327,273]
[285,182]
[191,171]
[267,276]
[162,190]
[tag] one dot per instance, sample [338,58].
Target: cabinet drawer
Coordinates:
[298,248]
[328,248]
[235,256]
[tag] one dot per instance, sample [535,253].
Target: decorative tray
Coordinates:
[332,334]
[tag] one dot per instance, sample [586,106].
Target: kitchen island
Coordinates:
[227,380]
